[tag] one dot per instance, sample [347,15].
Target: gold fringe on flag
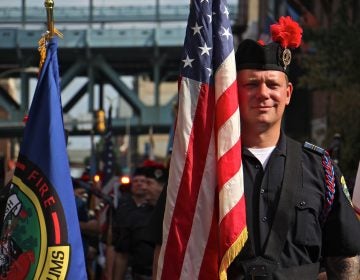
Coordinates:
[231,254]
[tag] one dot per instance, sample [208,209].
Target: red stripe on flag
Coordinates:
[227,105]
[236,214]
[210,263]
[357,210]
[181,223]
[228,165]
[232,228]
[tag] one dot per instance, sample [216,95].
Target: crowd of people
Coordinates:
[119,247]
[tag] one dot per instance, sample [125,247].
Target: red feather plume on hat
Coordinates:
[286,32]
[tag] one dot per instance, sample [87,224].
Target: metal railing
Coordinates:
[166,13]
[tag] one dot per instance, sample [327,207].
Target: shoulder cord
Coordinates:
[330,186]
[329,179]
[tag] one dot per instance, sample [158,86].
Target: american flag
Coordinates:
[204,224]
[108,154]
[109,182]
[356,194]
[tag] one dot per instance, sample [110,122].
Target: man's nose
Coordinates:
[263,91]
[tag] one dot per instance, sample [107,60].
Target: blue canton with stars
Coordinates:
[208,40]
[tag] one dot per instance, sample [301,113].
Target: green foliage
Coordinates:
[333,66]
[344,118]
[335,63]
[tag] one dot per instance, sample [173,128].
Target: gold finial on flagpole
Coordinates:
[50,33]
[49,5]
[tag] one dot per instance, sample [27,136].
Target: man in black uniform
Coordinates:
[298,213]
[130,216]
[131,223]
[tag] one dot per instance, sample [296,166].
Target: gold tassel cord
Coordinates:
[43,43]
[52,31]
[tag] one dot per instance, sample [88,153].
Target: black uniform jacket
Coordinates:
[129,235]
[308,239]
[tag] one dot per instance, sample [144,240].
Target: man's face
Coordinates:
[138,185]
[153,190]
[263,97]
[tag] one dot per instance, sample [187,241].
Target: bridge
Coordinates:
[102,44]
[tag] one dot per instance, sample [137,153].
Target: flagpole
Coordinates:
[49,5]
[128,153]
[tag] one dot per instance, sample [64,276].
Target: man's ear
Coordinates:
[289,91]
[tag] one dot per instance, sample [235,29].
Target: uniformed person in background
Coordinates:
[89,225]
[299,214]
[131,222]
[130,209]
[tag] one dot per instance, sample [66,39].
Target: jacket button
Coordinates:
[302,203]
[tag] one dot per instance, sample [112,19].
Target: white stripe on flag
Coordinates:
[227,140]
[225,75]
[201,224]
[231,194]
[188,97]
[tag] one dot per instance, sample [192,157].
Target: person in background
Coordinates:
[121,194]
[89,226]
[154,231]
[131,221]
[156,178]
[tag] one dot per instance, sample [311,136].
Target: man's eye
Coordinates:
[273,86]
[251,85]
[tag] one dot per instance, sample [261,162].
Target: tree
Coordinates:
[332,67]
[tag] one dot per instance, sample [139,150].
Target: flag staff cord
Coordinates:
[49,5]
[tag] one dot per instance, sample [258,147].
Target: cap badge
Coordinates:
[158,173]
[286,57]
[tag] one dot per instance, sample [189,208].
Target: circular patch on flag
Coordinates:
[34,241]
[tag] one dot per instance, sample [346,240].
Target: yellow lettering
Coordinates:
[57,263]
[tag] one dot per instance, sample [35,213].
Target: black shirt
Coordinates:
[129,235]
[308,240]
[154,235]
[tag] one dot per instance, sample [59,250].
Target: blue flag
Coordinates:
[41,234]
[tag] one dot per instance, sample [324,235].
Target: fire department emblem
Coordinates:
[34,244]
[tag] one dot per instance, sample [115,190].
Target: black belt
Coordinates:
[263,269]
[258,272]
[258,268]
